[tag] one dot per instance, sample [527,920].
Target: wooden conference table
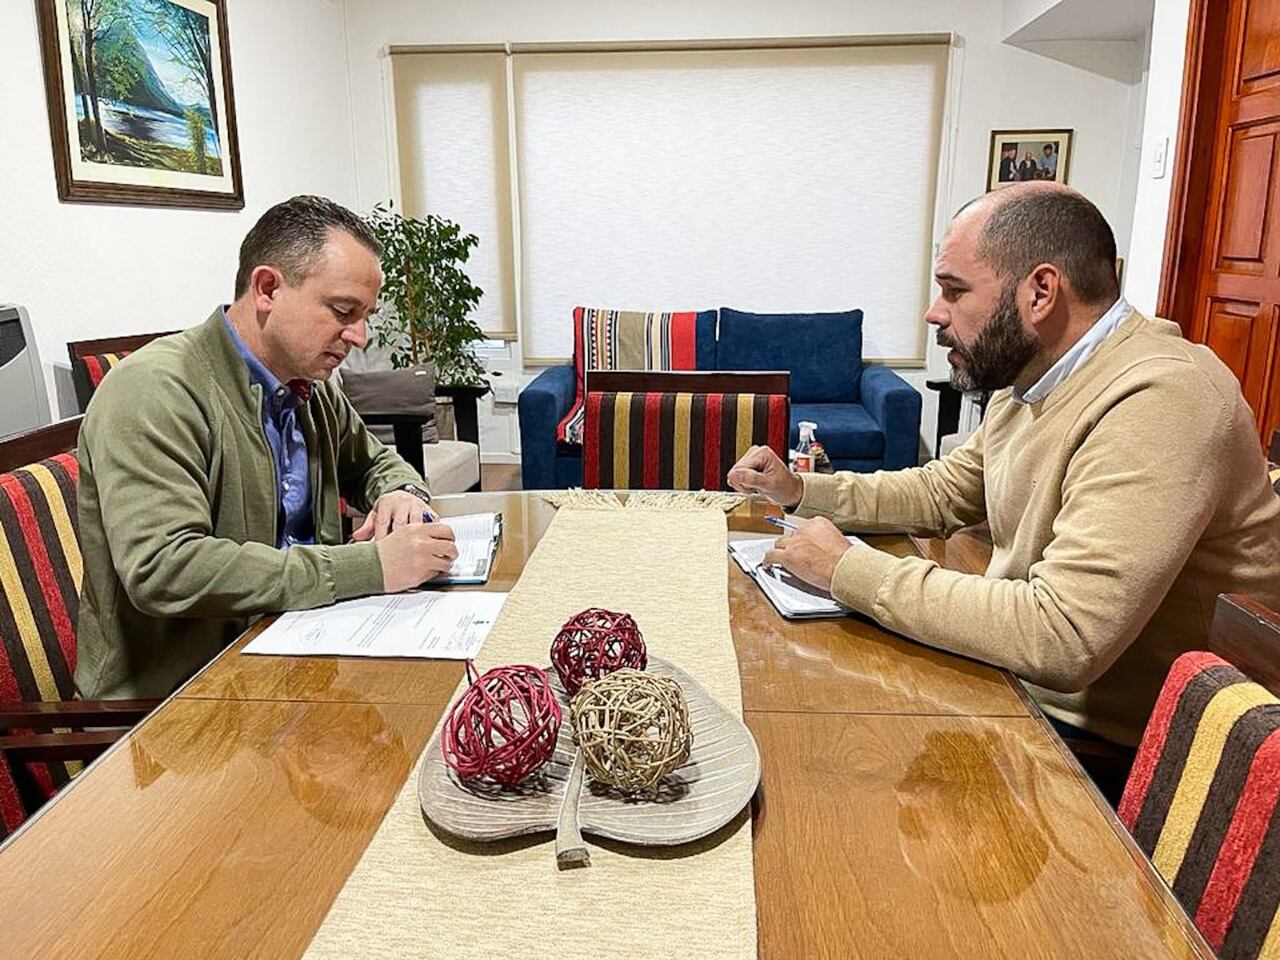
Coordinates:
[913,804]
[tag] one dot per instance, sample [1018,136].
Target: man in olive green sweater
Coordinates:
[1121,476]
[211,463]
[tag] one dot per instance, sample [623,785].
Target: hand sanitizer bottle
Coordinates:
[804,451]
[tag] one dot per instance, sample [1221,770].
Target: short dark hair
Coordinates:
[1060,227]
[291,235]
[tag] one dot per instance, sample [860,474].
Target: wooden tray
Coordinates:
[697,799]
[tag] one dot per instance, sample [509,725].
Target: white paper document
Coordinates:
[446,626]
[791,596]
[476,537]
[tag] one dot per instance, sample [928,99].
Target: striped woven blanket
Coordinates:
[626,340]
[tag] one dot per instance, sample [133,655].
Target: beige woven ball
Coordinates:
[632,728]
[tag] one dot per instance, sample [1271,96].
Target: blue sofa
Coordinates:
[868,417]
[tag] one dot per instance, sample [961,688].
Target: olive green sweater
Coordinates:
[178,512]
[1120,506]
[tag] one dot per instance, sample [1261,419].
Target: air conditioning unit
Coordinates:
[24,401]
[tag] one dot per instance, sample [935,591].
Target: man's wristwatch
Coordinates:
[418,490]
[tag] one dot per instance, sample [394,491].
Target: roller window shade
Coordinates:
[769,180]
[451,128]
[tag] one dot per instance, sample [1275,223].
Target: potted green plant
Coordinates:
[424,312]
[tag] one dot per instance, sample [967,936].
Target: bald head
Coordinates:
[1027,224]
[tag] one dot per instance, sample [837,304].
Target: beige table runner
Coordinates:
[412,895]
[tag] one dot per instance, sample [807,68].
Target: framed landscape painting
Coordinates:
[1016,156]
[140,103]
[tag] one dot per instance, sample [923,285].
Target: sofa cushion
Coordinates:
[409,390]
[633,340]
[823,351]
[845,430]
[452,466]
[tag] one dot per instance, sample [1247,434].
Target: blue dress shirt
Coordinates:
[288,445]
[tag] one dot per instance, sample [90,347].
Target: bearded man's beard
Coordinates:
[999,353]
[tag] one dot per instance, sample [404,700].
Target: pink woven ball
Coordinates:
[503,727]
[596,642]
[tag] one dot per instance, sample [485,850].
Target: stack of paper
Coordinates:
[791,596]
[476,537]
[450,626]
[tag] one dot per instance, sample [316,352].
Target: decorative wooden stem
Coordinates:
[570,849]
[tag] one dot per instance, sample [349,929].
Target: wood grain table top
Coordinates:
[913,804]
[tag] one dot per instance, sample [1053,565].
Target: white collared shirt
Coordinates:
[1074,358]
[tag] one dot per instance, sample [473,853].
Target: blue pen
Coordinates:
[782,522]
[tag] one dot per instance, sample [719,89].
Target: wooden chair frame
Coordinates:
[688,381]
[1246,634]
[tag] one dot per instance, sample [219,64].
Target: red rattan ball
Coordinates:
[596,642]
[503,727]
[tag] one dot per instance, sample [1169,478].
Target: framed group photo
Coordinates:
[1017,156]
[141,108]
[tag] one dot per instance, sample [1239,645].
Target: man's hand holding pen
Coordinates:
[811,551]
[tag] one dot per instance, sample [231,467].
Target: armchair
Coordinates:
[1205,782]
[42,737]
[545,462]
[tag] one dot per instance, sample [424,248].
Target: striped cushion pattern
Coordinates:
[626,340]
[676,441]
[1273,472]
[40,574]
[1201,802]
[97,365]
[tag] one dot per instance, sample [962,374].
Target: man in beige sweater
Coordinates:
[1118,467]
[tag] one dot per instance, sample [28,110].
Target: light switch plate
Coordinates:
[1159,158]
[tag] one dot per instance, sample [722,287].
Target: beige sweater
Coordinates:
[1120,506]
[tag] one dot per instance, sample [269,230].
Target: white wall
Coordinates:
[1151,202]
[311,105]
[87,270]
[999,87]
[1016,14]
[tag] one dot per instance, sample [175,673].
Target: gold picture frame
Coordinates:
[1016,156]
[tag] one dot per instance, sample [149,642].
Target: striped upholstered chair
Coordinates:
[1202,798]
[91,360]
[40,745]
[678,431]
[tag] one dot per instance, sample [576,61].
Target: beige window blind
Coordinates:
[451,127]
[762,179]
[787,178]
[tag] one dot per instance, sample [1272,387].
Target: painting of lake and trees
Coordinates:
[144,84]
[144,95]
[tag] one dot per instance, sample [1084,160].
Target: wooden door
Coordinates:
[1234,304]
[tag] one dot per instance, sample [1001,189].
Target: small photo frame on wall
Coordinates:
[1017,156]
[141,109]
